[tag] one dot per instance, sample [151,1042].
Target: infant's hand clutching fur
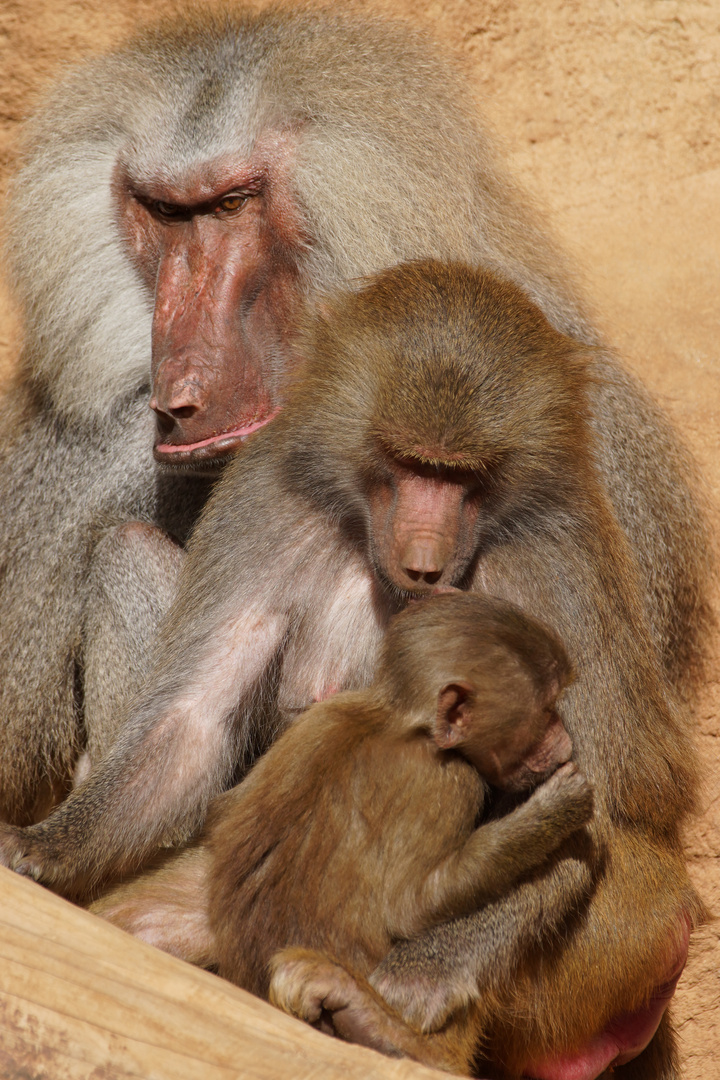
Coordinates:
[567,799]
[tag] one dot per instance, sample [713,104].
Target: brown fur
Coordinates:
[285,596]
[334,128]
[369,149]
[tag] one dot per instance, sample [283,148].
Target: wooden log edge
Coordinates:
[81,1000]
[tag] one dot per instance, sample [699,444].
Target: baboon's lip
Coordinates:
[215,446]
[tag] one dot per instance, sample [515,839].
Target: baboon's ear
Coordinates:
[454,715]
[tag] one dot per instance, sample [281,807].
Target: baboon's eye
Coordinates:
[167,210]
[231,202]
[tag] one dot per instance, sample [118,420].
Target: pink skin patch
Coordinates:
[237,433]
[328,692]
[623,1039]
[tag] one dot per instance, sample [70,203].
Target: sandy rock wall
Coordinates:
[609,116]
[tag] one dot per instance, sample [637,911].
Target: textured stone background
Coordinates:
[609,116]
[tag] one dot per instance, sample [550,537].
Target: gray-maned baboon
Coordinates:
[244,160]
[439,436]
[360,825]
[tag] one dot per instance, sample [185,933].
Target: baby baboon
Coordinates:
[359,825]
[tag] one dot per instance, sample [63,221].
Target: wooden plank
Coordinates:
[81,1000]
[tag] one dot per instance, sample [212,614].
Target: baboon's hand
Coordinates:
[309,985]
[566,799]
[15,848]
[22,852]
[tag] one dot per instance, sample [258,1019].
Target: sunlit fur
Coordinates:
[388,161]
[282,601]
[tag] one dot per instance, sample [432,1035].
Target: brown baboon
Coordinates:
[440,437]
[359,824]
